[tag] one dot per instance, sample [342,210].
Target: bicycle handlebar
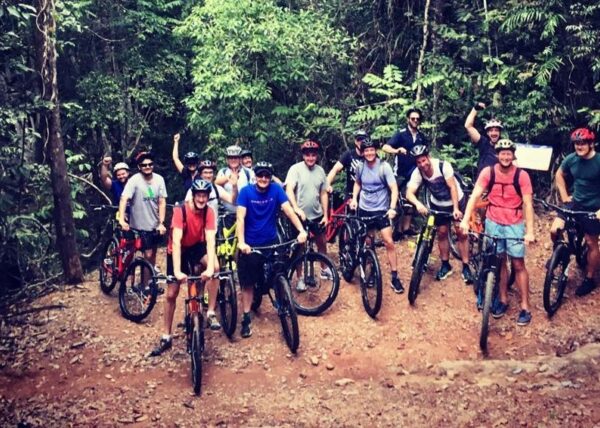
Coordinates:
[260,249]
[566,211]
[103,207]
[191,278]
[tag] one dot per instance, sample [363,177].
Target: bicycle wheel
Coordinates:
[453,239]
[287,313]
[556,279]
[346,259]
[108,266]
[490,290]
[319,291]
[196,351]
[136,297]
[227,299]
[370,283]
[581,255]
[419,264]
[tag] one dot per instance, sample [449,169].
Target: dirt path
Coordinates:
[85,365]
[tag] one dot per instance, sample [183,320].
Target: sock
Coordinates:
[394,274]
[209,313]
[246,316]
[166,337]
[446,263]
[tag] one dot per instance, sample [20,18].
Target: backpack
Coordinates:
[515,183]
[459,178]
[361,167]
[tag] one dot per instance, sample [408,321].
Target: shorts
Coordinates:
[590,226]
[250,269]
[314,226]
[378,223]
[190,257]
[151,239]
[440,221]
[512,247]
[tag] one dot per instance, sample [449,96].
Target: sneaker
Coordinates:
[326,274]
[301,285]
[499,309]
[212,322]
[524,317]
[397,285]
[467,276]
[246,326]
[586,287]
[163,345]
[444,272]
[397,236]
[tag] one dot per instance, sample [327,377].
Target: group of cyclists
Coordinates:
[254,197]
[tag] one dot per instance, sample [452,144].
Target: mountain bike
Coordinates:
[424,246]
[113,261]
[227,297]
[276,285]
[313,290]
[357,251]
[334,217]
[557,267]
[489,282]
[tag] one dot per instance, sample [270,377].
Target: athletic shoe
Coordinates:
[586,287]
[301,286]
[212,321]
[397,286]
[397,236]
[246,326]
[163,345]
[524,317]
[326,274]
[444,272]
[467,276]
[499,309]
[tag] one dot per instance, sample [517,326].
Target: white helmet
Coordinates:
[121,165]
[234,151]
[493,123]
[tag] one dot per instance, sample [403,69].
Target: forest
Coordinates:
[81,79]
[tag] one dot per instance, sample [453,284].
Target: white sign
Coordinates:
[533,157]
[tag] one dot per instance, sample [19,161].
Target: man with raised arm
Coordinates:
[188,169]
[116,183]
[485,143]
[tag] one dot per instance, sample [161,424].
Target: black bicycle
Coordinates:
[557,268]
[227,295]
[424,246]
[313,278]
[276,285]
[358,251]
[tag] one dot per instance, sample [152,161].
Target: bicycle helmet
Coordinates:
[368,143]
[361,135]
[493,123]
[142,156]
[505,144]
[200,185]
[263,167]
[584,135]
[309,146]
[419,150]
[191,157]
[205,164]
[234,151]
[245,152]
[121,165]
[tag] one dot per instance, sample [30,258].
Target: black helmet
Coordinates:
[361,135]
[200,185]
[419,150]
[191,157]
[368,143]
[263,167]
[245,152]
[207,163]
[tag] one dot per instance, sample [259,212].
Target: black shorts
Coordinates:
[250,269]
[150,239]
[379,223]
[440,221]
[190,257]
[590,226]
[314,226]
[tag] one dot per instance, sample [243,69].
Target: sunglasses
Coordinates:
[263,175]
[415,119]
[309,153]
[147,165]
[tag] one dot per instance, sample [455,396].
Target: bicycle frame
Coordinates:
[227,240]
[335,218]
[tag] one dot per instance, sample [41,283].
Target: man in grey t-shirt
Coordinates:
[374,183]
[306,188]
[148,195]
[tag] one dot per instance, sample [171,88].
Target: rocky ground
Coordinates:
[80,363]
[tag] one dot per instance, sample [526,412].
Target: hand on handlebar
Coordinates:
[391,213]
[422,209]
[464,225]
[302,237]
[124,225]
[353,204]
[457,214]
[207,274]
[244,248]
[161,229]
[180,276]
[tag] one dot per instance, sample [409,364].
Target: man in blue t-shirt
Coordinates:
[116,184]
[257,208]
[485,143]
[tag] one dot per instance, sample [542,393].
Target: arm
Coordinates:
[454,195]
[176,254]
[355,192]
[176,161]
[122,206]
[411,196]
[240,227]
[211,252]
[162,211]
[221,179]
[529,215]
[474,134]
[104,174]
[324,197]
[331,176]
[389,149]
[289,212]
[561,185]
[290,191]
[392,212]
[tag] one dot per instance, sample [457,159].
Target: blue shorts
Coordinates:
[512,247]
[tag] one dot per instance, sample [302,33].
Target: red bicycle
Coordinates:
[335,217]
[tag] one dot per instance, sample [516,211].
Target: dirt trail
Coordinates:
[85,365]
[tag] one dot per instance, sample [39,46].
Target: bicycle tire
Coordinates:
[490,283]
[581,255]
[555,282]
[419,263]
[320,293]
[287,313]
[196,351]
[346,260]
[453,240]
[135,300]
[227,298]
[371,284]
[108,265]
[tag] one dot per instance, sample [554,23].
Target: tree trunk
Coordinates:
[423,49]
[44,33]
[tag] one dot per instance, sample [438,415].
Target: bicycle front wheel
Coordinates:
[196,351]
[453,239]
[419,263]
[556,279]
[227,299]
[138,291]
[488,298]
[108,266]
[287,313]
[346,258]
[314,283]
[370,283]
